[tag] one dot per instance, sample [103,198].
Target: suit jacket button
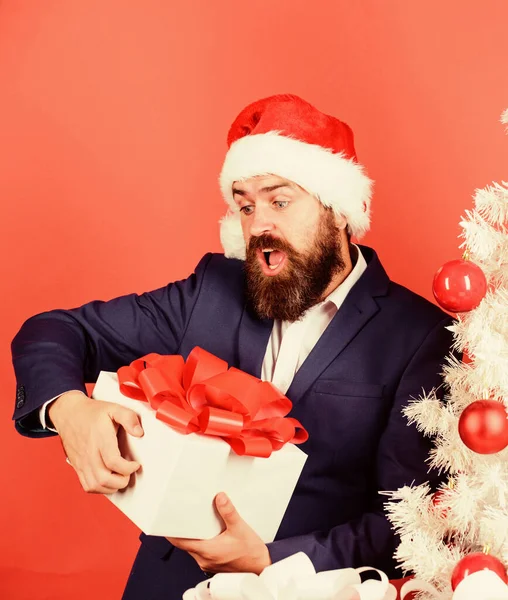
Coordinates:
[20,397]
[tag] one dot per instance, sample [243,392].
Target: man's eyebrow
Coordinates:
[267,189]
[271,188]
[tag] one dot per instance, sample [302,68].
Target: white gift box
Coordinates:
[172,493]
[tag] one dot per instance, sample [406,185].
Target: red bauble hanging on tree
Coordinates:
[459,286]
[437,499]
[478,561]
[483,426]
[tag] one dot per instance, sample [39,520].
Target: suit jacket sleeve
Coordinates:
[60,350]
[401,460]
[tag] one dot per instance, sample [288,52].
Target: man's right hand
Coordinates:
[88,431]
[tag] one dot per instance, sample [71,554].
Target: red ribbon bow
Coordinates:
[203,396]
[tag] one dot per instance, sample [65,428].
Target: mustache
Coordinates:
[268,241]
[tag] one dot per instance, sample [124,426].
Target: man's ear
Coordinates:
[341,221]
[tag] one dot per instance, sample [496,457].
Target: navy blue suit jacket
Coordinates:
[383,346]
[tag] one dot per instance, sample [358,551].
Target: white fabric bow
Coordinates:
[294,578]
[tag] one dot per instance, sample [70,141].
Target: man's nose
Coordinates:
[261,222]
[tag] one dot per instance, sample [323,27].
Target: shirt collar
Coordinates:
[341,291]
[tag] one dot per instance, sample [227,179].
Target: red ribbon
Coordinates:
[203,396]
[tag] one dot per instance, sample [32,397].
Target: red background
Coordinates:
[113,119]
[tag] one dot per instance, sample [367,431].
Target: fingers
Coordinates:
[96,478]
[90,441]
[99,480]
[227,511]
[128,419]
[90,486]
[105,482]
[107,471]
[113,460]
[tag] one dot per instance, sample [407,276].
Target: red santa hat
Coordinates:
[284,135]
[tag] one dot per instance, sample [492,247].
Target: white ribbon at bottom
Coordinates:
[294,578]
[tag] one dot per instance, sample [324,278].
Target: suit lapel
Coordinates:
[252,341]
[346,324]
[357,310]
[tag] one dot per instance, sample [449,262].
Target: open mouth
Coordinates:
[272,261]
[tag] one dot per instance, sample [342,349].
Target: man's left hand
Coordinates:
[237,549]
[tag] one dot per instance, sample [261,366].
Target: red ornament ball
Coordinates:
[478,561]
[466,358]
[436,501]
[483,426]
[459,286]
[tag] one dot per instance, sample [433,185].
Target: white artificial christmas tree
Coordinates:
[469,513]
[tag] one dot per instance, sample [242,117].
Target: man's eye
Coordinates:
[247,210]
[281,203]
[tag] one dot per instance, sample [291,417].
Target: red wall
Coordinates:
[113,117]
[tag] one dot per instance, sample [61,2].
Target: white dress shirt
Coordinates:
[291,343]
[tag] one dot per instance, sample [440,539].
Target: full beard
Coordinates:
[304,279]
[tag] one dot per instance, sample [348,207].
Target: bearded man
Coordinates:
[292,301]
